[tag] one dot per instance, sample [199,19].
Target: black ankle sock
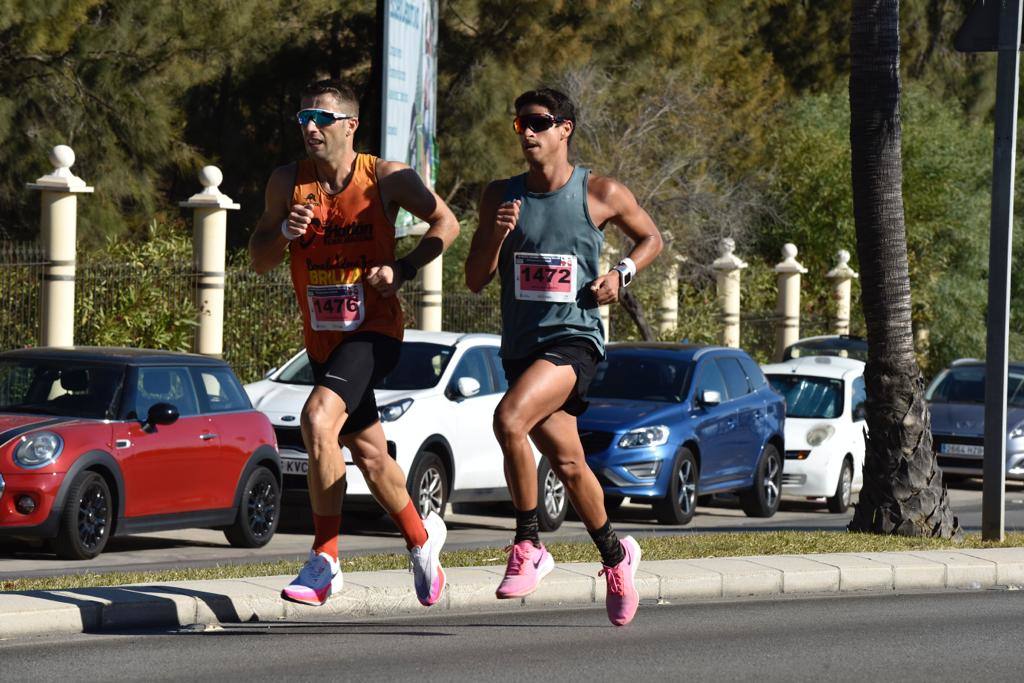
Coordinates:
[608,545]
[527,527]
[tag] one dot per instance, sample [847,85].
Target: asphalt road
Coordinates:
[204,547]
[911,637]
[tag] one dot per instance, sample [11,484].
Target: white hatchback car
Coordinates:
[824,427]
[436,408]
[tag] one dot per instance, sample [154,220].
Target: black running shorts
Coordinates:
[352,370]
[577,352]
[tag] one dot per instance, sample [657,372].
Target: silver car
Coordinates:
[956,398]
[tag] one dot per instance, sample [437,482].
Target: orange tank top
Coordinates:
[350,234]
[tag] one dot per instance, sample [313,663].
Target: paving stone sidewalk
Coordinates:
[383,593]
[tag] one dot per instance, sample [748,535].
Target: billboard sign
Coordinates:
[408,106]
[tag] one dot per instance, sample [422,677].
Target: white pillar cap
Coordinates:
[210,177]
[61,179]
[728,261]
[842,271]
[789,264]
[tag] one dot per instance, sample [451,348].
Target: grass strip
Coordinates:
[655,547]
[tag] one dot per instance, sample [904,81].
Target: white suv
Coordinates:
[436,407]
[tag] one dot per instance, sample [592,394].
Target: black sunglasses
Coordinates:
[320,117]
[535,122]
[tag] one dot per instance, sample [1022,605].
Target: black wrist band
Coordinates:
[406,270]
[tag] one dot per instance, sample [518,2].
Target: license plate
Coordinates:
[295,466]
[962,449]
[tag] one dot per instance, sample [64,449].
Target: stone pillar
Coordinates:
[58,228]
[429,307]
[788,310]
[608,252]
[842,277]
[727,269]
[210,210]
[668,308]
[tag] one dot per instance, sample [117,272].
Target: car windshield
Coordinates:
[635,377]
[420,366]
[966,384]
[45,387]
[844,347]
[812,397]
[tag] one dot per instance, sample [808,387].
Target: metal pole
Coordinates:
[1000,242]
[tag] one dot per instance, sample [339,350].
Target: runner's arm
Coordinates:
[612,202]
[482,260]
[622,209]
[401,185]
[267,245]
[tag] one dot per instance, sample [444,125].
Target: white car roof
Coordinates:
[449,338]
[834,367]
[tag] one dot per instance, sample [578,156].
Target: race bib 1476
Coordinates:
[545,277]
[336,307]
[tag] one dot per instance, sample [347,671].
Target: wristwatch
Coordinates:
[625,276]
[406,270]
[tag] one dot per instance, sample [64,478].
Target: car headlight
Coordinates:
[642,437]
[820,435]
[38,450]
[1018,431]
[393,411]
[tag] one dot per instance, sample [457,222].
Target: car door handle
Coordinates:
[207,436]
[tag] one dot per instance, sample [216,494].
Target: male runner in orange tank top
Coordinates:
[334,214]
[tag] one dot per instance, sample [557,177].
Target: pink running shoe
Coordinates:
[527,565]
[622,597]
[428,576]
[319,579]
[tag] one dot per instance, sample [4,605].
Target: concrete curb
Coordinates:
[383,593]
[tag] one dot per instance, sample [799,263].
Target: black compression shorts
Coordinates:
[353,368]
[575,351]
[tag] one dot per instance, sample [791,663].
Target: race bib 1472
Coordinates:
[545,277]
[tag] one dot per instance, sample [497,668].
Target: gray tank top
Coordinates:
[546,266]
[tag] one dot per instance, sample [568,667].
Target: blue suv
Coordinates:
[667,422]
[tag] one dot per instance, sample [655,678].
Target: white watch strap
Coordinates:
[630,265]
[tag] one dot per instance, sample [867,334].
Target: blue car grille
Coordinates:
[595,442]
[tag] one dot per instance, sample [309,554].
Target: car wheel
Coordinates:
[86,519]
[680,502]
[428,484]
[762,500]
[258,511]
[552,503]
[840,501]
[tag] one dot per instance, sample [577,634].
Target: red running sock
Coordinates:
[411,526]
[325,528]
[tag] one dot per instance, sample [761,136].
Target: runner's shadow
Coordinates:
[104,609]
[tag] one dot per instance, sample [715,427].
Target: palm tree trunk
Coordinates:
[903,492]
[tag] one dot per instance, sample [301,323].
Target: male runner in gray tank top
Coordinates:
[542,233]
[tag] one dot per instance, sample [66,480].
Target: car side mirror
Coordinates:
[467,387]
[161,414]
[268,373]
[710,398]
[860,412]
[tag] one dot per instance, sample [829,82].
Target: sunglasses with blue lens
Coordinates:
[320,117]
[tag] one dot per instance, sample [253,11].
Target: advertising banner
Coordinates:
[408,107]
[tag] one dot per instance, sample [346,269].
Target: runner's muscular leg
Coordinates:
[558,440]
[322,418]
[538,393]
[383,475]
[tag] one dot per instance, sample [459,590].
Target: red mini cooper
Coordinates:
[97,442]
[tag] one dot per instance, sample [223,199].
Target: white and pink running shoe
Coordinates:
[527,565]
[428,576]
[622,597]
[319,579]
